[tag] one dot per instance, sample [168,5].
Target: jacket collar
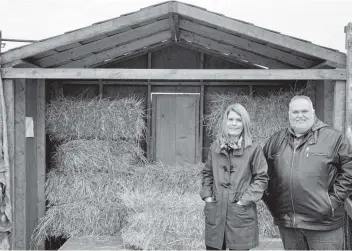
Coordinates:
[238,152]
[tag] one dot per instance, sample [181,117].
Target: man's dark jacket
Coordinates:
[308,184]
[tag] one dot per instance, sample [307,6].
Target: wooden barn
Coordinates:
[172,55]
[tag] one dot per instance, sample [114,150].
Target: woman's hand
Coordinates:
[208,199]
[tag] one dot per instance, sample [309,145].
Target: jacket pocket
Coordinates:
[316,154]
[211,212]
[242,216]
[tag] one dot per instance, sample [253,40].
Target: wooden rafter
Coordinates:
[216,54]
[325,65]
[233,51]
[101,57]
[20,63]
[86,33]
[134,54]
[173,74]
[255,32]
[243,43]
[103,44]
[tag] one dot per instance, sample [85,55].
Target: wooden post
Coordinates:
[5,175]
[41,150]
[339,105]
[100,88]
[348,122]
[10,112]
[148,132]
[202,93]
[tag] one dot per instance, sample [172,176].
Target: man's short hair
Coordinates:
[301,97]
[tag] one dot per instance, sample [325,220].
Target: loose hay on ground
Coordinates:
[97,155]
[70,118]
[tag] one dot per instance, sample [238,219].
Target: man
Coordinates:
[310,171]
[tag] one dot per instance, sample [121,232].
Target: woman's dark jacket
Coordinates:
[240,175]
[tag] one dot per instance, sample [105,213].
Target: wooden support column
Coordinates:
[19,206]
[339,108]
[10,112]
[348,122]
[149,114]
[41,150]
[202,94]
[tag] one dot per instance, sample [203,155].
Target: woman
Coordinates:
[234,178]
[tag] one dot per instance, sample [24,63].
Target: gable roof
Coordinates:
[174,22]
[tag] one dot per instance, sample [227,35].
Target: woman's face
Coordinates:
[234,124]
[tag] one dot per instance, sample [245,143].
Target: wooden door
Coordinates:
[175,125]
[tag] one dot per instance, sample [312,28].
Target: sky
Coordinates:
[319,21]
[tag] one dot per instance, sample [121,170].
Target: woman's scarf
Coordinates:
[228,146]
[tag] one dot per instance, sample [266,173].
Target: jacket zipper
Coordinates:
[332,210]
[291,192]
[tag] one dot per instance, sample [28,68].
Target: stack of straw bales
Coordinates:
[164,209]
[97,147]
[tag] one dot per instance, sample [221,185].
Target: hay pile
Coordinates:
[268,114]
[164,209]
[98,148]
[70,118]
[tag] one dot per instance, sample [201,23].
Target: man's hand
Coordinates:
[208,199]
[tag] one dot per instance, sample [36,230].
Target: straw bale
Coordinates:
[70,118]
[163,221]
[180,178]
[97,188]
[97,155]
[79,219]
[268,114]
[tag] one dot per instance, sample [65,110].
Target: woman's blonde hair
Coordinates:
[246,133]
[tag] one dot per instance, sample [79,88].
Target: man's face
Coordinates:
[301,115]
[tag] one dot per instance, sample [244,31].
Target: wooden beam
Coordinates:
[20,64]
[242,43]
[252,31]
[93,59]
[143,15]
[20,200]
[172,26]
[10,111]
[103,44]
[233,51]
[174,74]
[134,54]
[201,112]
[40,150]
[216,54]
[348,122]
[149,114]
[170,83]
[339,105]
[325,65]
